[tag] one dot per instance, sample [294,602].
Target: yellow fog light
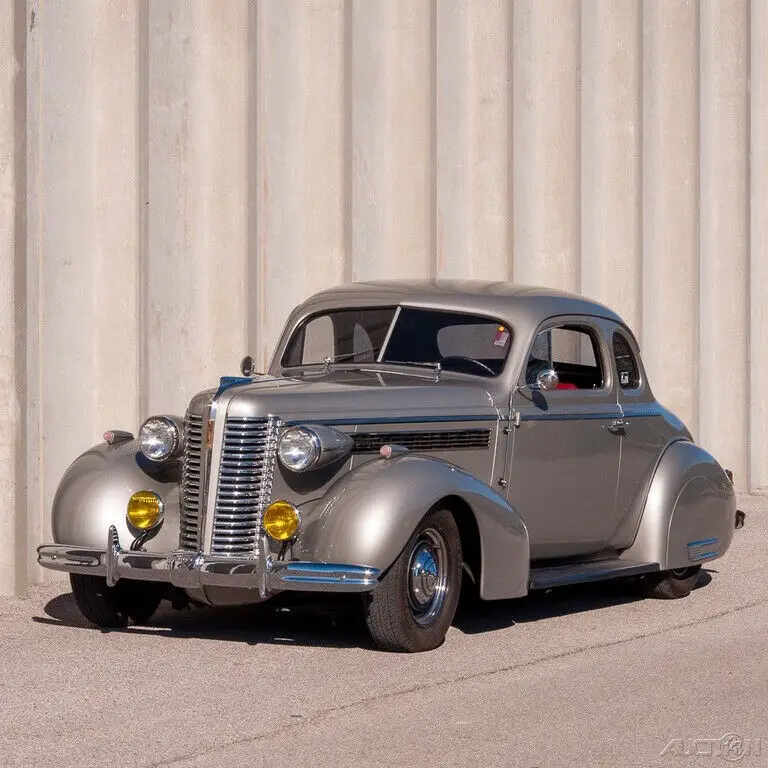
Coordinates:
[281,520]
[145,510]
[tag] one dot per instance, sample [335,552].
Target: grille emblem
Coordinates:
[209,435]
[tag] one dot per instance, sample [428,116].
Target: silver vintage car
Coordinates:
[410,438]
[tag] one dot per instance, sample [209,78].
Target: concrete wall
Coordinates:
[175,176]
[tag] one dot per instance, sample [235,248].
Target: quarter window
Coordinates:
[574,354]
[626,363]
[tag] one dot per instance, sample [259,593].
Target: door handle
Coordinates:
[617,426]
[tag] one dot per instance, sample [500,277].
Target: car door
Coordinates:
[566,449]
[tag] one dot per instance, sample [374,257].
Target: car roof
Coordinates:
[502,300]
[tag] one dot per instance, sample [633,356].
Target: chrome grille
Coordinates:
[189,525]
[244,485]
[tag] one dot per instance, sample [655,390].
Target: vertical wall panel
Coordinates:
[472,134]
[194,295]
[610,155]
[173,282]
[546,162]
[300,166]
[391,205]
[68,367]
[11,295]
[670,203]
[29,513]
[218,179]
[323,256]
[115,217]
[723,309]
[758,246]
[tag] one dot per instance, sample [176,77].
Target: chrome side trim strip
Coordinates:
[489,417]
[568,416]
[642,411]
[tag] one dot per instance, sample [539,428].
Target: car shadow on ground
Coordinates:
[481,616]
[333,622]
[336,621]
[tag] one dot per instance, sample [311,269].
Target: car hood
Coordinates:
[356,396]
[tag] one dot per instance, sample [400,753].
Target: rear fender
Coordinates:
[689,512]
[368,515]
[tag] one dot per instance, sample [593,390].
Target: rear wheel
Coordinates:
[416,601]
[671,585]
[107,606]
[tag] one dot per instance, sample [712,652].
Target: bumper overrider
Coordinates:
[188,570]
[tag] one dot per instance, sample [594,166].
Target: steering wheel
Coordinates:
[470,360]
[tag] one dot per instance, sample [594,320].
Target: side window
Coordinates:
[626,363]
[573,352]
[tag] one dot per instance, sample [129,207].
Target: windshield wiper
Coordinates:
[435,366]
[347,355]
[328,361]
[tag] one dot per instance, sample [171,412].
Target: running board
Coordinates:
[578,573]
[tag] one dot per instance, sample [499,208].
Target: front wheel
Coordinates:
[415,602]
[107,606]
[671,585]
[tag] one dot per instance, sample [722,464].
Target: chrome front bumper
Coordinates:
[189,570]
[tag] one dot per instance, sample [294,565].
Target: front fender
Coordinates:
[94,493]
[368,515]
[689,513]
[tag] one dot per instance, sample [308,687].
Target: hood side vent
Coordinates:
[434,440]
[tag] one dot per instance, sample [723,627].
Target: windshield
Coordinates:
[404,335]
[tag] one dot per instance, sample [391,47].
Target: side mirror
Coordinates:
[547,380]
[248,366]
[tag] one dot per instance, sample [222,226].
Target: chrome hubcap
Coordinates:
[427,576]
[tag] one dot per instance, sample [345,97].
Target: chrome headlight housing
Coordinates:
[311,446]
[298,449]
[159,438]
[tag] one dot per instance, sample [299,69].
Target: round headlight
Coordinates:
[298,448]
[158,438]
[145,510]
[281,520]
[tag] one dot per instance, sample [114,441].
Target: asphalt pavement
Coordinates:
[579,676]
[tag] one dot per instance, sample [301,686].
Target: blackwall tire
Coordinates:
[672,585]
[107,606]
[415,603]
